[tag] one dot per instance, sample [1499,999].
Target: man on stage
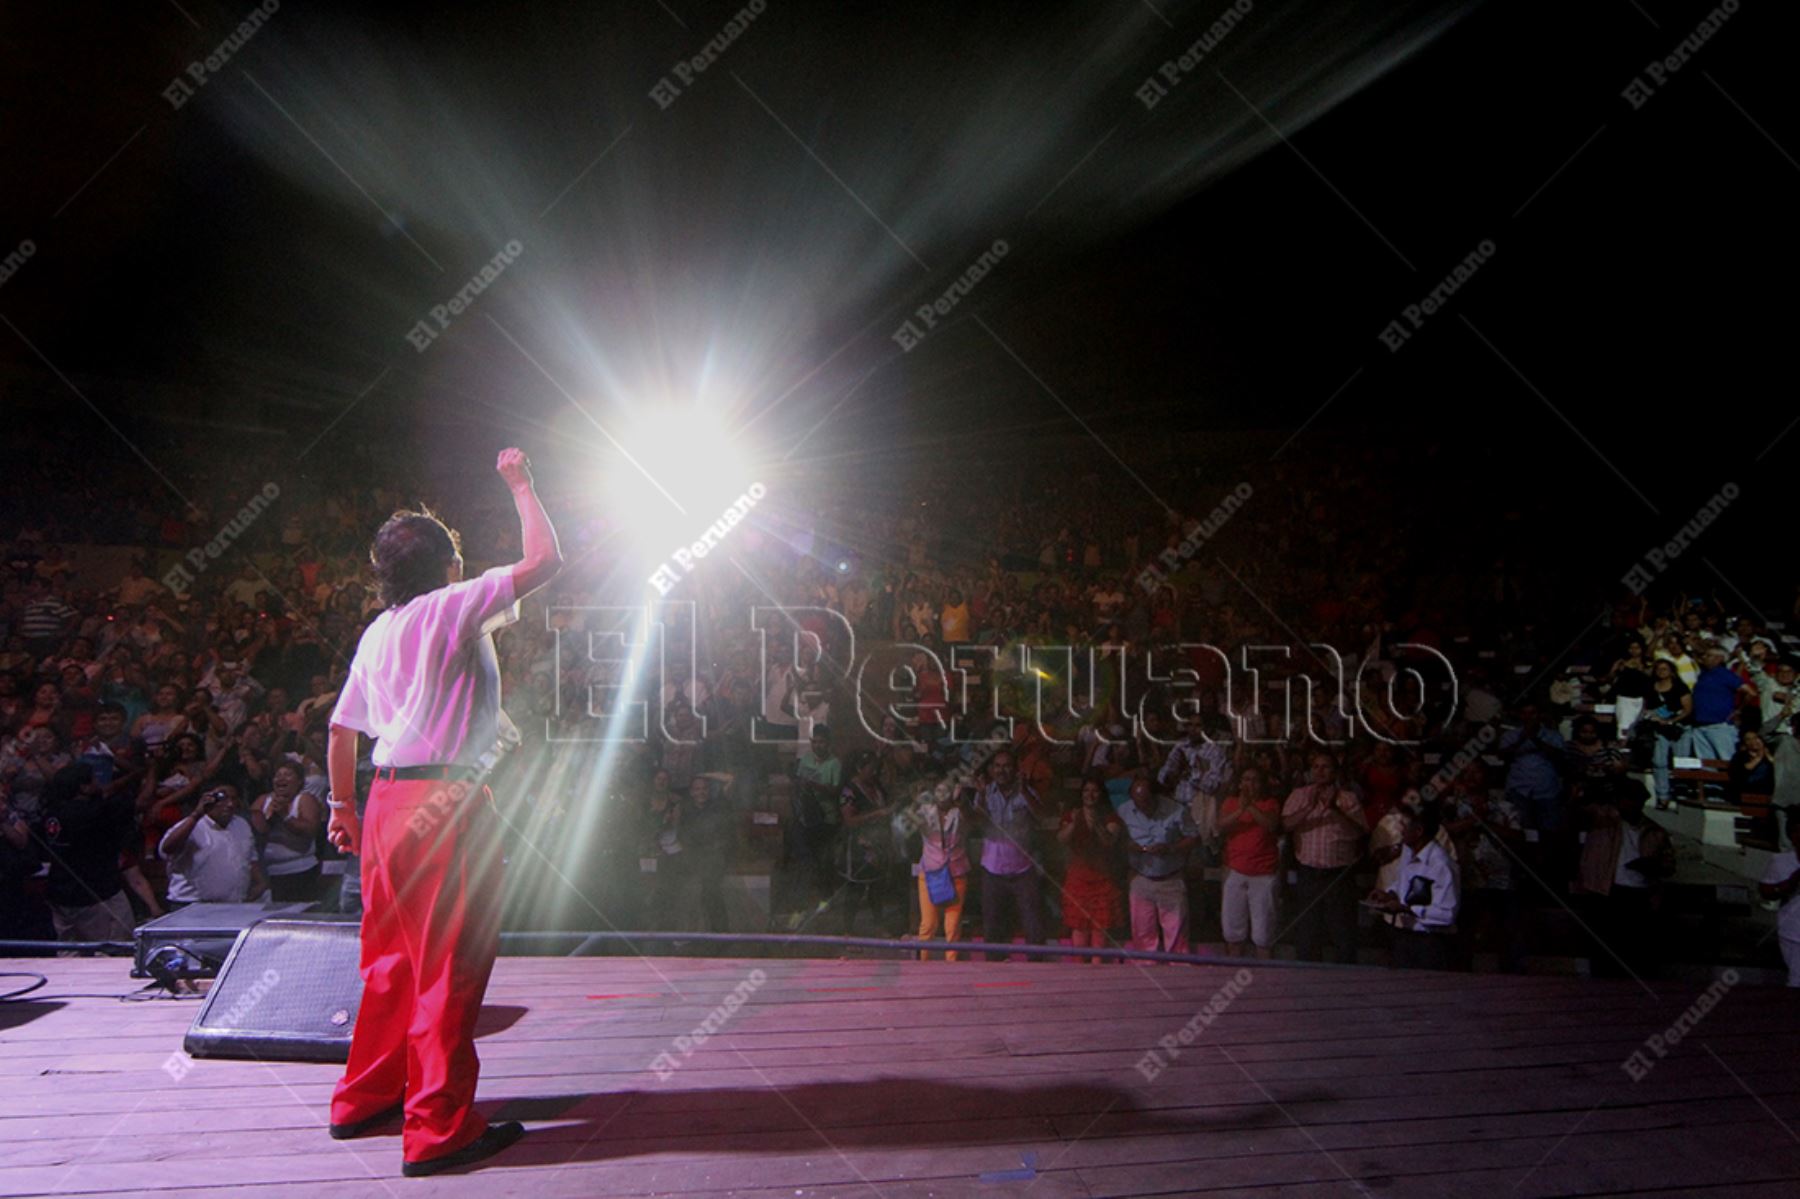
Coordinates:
[425,683]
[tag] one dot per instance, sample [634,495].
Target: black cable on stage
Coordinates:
[144,994]
[12,995]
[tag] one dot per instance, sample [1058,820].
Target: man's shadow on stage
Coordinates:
[879,1113]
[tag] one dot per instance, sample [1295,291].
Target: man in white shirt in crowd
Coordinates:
[1777,692]
[1007,812]
[211,853]
[1425,896]
[425,684]
[233,690]
[1162,832]
[1781,881]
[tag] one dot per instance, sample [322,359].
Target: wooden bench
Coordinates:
[1757,827]
[1704,786]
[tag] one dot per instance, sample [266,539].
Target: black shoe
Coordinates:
[496,1138]
[343,1132]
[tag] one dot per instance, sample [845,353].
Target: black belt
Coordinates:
[1157,878]
[397,774]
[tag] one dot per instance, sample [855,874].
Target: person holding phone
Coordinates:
[211,853]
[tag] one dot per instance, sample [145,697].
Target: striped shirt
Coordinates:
[1322,840]
[44,618]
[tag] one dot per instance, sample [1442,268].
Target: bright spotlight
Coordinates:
[676,471]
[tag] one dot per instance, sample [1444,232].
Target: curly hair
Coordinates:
[410,553]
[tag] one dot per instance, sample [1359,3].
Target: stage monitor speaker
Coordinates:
[288,992]
[197,938]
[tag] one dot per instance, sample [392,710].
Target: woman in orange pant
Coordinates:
[943,827]
[425,683]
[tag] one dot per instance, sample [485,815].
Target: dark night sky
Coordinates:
[1193,272]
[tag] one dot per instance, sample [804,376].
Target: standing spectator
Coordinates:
[46,711]
[1250,822]
[23,915]
[1199,769]
[954,619]
[921,621]
[54,567]
[249,585]
[231,692]
[27,764]
[1712,734]
[44,620]
[706,831]
[1327,825]
[1489,836]
[1671,650]
[1597,765]
[1781,882]
[1424,901]
[81,655]
[863,813]
[83,832]
[1666,712]
[1161,833]
[1630,681]
[77,703]
[1008,811]
[286,822]
[930,702]
[1090,894]
[211,853]
[944,840]
[137,588]
[163,722]
[1534,780]
[1778,695]
[817,783]
[1383,779]
[681,753]
[1626,855]
[673,874]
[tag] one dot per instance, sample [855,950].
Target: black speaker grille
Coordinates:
[289,991]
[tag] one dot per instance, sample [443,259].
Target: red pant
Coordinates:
[431,869]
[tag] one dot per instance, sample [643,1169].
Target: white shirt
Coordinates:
[1427,885]
[425,682]
[214,865]
[1781,868]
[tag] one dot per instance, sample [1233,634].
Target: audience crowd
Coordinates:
[1309,784]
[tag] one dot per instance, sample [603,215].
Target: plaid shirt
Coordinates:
[1330,843]
[1189,768]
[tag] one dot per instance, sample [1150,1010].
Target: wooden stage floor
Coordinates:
[910,1079]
